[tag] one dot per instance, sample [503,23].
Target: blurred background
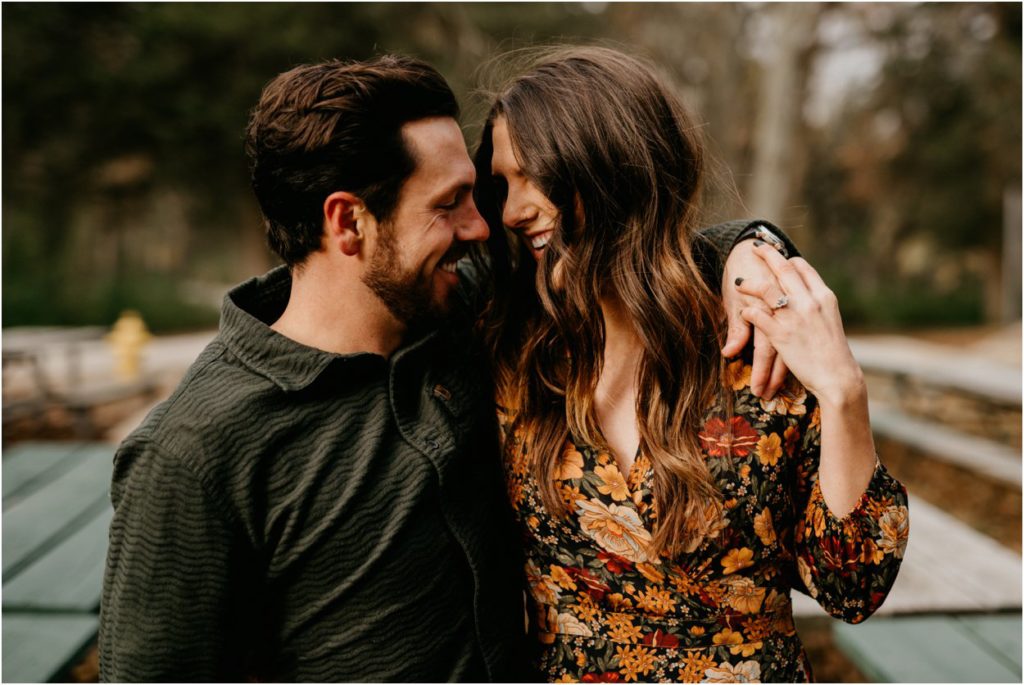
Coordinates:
[884,138]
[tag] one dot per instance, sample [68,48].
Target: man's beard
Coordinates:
[407,295]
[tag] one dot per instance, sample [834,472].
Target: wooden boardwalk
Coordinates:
[56,513]
[948,567]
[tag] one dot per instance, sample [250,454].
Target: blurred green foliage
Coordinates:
[124,177]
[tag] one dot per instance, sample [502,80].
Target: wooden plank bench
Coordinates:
[931,627]
[986,457]
[948,567]
[56,517]
[935,649]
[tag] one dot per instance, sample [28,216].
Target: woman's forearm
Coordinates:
[848,454]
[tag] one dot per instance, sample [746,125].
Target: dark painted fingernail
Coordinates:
[758,243]
[739,280]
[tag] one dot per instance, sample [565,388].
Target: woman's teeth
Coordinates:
[538,242]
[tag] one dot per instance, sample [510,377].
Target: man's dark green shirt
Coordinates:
[292,514]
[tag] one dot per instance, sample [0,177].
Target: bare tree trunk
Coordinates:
[779,112]
[1011,267]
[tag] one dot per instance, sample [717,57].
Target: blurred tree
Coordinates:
[125,177]
[915,167]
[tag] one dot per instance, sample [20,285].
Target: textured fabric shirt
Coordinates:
[291,514]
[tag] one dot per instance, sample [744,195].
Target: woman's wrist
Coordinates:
[846,391]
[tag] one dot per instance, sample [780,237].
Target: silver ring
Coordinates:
[781,302]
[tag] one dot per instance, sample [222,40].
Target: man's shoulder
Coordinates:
[218,402]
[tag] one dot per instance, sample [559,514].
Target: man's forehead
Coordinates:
[439,150]
[428,137]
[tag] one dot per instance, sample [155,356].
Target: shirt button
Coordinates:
[433,444]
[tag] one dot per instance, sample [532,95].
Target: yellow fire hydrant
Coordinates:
[127,338]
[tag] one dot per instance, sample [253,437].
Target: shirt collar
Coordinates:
[248,311]
[246,315]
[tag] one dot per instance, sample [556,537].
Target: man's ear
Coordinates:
[345,222]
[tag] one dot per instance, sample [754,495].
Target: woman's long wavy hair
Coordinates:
[620,158]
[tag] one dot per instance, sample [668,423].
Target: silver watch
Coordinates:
[763,233]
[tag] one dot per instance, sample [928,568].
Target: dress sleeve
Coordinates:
[848,564]
[169,600]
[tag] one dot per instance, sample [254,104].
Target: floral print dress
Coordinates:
[605,610]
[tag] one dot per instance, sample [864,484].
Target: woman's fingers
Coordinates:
[778,377]
[821,293]
[762,320]
[790,279]
[757,293]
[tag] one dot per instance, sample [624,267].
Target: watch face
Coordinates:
[767,236]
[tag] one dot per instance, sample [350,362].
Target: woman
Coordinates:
[667,511]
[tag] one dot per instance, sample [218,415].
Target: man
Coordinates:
[321,499]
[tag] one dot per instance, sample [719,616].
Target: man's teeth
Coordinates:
[538,242]
[451,266]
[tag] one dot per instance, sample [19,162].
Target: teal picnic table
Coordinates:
[56,513]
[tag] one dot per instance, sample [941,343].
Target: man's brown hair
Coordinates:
[332,126]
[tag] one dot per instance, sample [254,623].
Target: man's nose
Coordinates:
[473,227]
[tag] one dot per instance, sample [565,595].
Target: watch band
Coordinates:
[763,233]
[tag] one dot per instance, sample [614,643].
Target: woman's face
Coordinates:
[527,212]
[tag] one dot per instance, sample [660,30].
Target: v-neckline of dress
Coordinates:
[633,481]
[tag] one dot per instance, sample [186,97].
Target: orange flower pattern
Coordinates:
[606,607]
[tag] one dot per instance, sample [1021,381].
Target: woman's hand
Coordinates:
[803,324]
[769,370]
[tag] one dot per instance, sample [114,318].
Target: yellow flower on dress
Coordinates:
[738,374]
[769,449]
[743,672]
[728,637]
[617,600]
[621,628]
[764,528]
[818,518]
[541,586]
[655,601]
[757,627]
[651,573]
[570,464]
[565,678]
[634,661]
[743,595]
[618,529]
[614,483]
[871,553]
[563,579]
[694,666]
[895,527]
[586,610]
[746,649]
[682,582]
[738,559]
